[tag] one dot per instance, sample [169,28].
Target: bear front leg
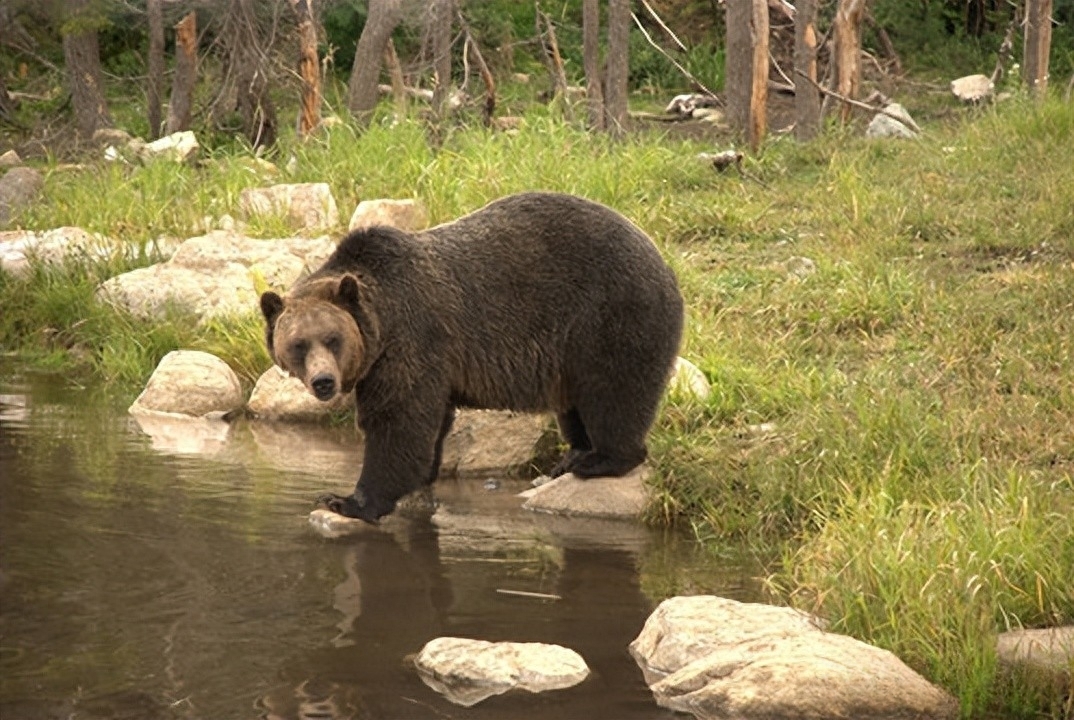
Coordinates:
[400,454]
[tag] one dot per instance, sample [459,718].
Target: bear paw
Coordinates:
[348,506]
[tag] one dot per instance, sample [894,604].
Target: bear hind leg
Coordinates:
[574,432]
[617,421]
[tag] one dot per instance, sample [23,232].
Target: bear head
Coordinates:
[314,334]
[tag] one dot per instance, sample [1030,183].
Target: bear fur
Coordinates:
[538,302]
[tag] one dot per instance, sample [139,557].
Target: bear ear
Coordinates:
[349,293]
[271,307]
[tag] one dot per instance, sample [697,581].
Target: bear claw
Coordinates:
[347,506]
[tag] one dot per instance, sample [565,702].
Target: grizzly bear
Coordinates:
[538,302]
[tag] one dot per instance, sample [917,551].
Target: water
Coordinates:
[176,577]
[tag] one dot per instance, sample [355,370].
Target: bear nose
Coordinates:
[324,386]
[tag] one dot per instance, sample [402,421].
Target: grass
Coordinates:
[888,328]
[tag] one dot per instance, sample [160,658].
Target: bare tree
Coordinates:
[83,63]
[806,95]
[846,35]
[758,116]
[1038,43]
[181,102]
[616,76]
[155,82]
[591,61]
[246,43]
[384,16]
[738,62]
[309,67]
[439,17]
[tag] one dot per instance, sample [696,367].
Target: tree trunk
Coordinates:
[83,60]
[591,62]
[847,56]
[155,84]
[309,68]
[615,79]
[7,104]
[395,72]
[1038,44]
[806,95]
[440,15]
[546,34]
[186,72]
[759,79]
[738,63]
[362,94]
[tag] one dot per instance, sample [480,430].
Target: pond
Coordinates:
[171,577]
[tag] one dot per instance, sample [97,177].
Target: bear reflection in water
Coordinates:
[538,302]
[398,594]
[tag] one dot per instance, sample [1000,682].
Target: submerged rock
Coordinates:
[719,658]
[469,671]
[611,497]
[190,382]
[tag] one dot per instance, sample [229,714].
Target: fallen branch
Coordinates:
[689,76]
[905,119]
[663,25]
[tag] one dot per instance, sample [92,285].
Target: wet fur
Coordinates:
[538,302]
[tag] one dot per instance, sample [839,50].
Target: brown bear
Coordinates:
[538,302]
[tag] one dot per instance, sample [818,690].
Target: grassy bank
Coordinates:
[888,327]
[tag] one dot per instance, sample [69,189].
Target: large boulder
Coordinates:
[215,275]
[1044,653]
[469,671]
[19,187]
[493,442]
[20,248]
[307,206]
[190,382]
[718,658]
[278,396]
[406,215]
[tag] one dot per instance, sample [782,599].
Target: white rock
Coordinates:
[215,275]
[800,267]
[483,442]
[469,671]
[402,214]
[190,382]
[1047,652]
[972,88]
[333,525]
[177,147]
[305,205]
[719,658]
[611,497]
[887,126]
[278,396]
[687,381]
[10,159]
[20,248]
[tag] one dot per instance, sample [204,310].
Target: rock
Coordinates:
[799,267]
[178,147]
[688,382]
[215,275]
[190,382]
[509,123]
[612,497]
[719,658]
[333,525]
[306,206]
[19,187]
[469,671]
[278,396]
[1047,653]
[483,442]
[18,249]
[111,136]
[972,88]
[887,126]
[10,159]
[402,214]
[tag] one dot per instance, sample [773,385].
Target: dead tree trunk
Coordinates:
[847,56]
[616,76]
[759,79]
[546,34]
[155,84]
[309,68]
[362,92]
[806,95]
[1038,44]
[482,68]
[738,63]
[440,16]
[594,92]
[83,63]
[186,72]
[395,73]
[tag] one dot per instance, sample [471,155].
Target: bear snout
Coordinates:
[323,386]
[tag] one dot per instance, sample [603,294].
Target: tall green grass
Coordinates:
[895,413]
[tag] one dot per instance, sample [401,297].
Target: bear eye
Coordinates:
[332,342]
[299,348]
